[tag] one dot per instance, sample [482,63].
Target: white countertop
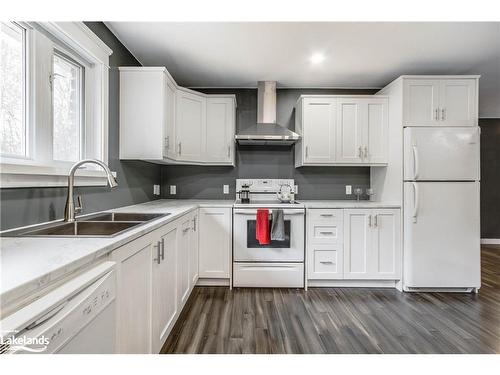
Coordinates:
[346,204]
[28,264]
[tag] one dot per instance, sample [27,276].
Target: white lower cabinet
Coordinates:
[353,244]
[372,247]
[155,276]
[133,295]
[215,242]
[164,303]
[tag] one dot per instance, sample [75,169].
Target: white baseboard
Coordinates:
[212,282]
[490,241]
[352,283]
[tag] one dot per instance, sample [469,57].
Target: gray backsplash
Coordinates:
[265,162]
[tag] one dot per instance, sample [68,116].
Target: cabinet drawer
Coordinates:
[332,215]
[272,275]
[325,262]
[325,227]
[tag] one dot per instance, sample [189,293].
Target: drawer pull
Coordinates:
[326,232]
[326,262]
[326,215]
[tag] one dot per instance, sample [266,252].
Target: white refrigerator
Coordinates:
[441,209]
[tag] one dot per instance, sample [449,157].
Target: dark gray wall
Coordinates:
[135,179]
[265,162]
[490,178]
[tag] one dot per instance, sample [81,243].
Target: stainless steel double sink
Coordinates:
[104,224]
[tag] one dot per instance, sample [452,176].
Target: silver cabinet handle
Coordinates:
[415,161]
[369,220]
[326,215]
[228,151]
[436,114]
[167,143]
[194,224]
[180,148]
[443,114]
[307,151]
[163,249]
[360,153]
[326,262]
[158,258]
[366,152]
[326,232]
[375,221]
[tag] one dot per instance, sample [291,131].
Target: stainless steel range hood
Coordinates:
[266,131]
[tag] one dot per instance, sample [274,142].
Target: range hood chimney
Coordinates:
[266,131]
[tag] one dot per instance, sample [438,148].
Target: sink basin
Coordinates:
[105,224]
[82,228]
[121,216]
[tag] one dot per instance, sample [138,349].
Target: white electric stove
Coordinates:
[279,264]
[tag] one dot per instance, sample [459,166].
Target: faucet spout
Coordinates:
[69,210]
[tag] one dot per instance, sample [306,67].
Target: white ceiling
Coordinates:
[360,54]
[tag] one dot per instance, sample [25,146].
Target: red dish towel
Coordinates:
[262,227]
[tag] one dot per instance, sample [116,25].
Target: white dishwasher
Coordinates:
[77,317]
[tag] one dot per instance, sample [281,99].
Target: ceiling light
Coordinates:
[317,58]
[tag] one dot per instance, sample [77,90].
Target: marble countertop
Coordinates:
[28,264]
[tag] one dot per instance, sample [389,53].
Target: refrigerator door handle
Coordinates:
[415,162]
[415,202]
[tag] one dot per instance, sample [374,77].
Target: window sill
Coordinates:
[25,176]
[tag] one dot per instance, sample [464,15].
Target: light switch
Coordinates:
[348,189]
[156,189]
[173,190]
[225,189]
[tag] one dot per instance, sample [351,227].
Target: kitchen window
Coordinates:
[54,103]
[13,91]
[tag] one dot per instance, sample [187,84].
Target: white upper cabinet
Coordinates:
[220,128]
[440,101]
[319,130]
[163,123]
[190,119]
[337,130]
[350,124]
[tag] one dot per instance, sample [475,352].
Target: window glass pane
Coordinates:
[12,90]
[67,107]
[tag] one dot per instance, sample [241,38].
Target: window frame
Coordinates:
[77,41]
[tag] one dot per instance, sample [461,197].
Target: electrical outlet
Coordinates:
[173,190]
[296,189]
[348,189]
[156,189]
[225,189]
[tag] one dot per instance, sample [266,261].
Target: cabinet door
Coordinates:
[421,102]
[164,287]
[325,262]
[357,244]
[215,242]
[133,310]
[183,277]
[458,102]
[376,131]
[169,133]
[319,130]
[350,123]
[220,130]
[385,259]
[193,249]
[190,126]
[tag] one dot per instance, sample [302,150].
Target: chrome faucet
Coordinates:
[70,209]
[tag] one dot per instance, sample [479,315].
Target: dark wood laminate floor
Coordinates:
[342,320]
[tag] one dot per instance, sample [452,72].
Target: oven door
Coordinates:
[248,249]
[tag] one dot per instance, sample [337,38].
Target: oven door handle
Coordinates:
[243,211]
